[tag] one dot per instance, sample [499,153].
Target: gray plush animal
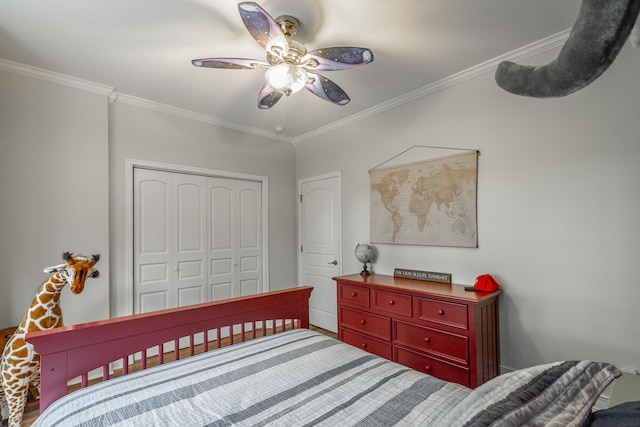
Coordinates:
[602,28]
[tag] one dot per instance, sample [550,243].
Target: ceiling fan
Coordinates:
[289,67]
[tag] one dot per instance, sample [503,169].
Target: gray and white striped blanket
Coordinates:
[295,378]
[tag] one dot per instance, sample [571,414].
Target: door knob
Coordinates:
[334,262]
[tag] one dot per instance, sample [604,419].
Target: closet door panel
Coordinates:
[152,241]
[249,287]
[249,215]
[249,253]
[222,199]
[222,241]
[221,291]
[190,231]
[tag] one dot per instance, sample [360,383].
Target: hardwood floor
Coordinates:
[323,331]
[32,412]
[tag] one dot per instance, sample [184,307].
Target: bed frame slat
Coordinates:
[143,359]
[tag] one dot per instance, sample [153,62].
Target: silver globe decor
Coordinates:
[365,253]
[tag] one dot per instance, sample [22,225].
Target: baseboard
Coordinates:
[505,370]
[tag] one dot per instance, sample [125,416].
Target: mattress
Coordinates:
[294,378]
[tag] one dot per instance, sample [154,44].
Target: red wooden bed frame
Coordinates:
[70,352]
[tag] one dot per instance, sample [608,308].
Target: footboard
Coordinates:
[73,351]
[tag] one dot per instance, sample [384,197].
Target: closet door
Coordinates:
[196,239]
[169,240]
[235,237]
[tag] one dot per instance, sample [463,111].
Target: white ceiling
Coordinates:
[144,48]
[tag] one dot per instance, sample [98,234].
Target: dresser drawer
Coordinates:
[447,313]
[370,324]
[354,295]
[431,366]
[433,341]
[372,345]
[392,302]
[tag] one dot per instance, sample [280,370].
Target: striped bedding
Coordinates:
[295,378]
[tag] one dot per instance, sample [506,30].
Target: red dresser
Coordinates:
[436,328]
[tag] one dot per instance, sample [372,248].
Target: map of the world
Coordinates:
[432,202]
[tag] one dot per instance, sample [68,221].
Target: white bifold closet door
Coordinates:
[234,237]
[196,239]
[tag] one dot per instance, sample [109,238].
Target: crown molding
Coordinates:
[52,77]
[187,114]
[489,66]
[113,95]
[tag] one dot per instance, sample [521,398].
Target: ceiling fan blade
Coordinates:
[324,88]
[263,28]
[268,97]
[229,63]
[339,58]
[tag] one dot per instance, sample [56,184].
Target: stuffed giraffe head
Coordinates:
[76,270]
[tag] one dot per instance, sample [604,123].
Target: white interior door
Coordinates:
[320,246]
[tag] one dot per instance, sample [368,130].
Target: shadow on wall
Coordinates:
[517,348]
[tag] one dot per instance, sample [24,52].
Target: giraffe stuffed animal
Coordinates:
[20,364]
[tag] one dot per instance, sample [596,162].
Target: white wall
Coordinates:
[558,206]
[145,134]
[53,193]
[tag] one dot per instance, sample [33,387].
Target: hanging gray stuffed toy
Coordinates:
[602,28]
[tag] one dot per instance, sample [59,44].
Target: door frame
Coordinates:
[302,181]
[131,164]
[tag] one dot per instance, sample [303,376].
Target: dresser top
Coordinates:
[403,283]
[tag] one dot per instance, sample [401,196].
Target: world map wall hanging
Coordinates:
[430,202]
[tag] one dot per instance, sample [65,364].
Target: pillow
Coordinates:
[555,394]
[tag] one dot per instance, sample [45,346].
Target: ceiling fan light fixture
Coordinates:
[286,78]
[290,67]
